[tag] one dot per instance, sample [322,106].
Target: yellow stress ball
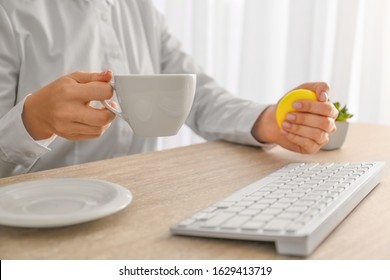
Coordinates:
[285,104]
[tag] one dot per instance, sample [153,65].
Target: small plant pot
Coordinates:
[337,138]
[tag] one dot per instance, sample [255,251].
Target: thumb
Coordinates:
[87,77]
[321,89]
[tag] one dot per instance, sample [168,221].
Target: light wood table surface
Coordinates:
[169,185]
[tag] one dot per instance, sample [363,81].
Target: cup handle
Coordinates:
[107,105]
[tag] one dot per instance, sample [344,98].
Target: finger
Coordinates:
[326,109]
[94,116]
[316,135]
[89,130]
[301,144]
[87,77]
[79,131]
[94,91]
[317,87]
[114,105]
[320,88]
[326,124]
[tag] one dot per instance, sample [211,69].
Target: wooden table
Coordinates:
[170,185]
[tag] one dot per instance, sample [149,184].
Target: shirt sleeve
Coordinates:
[18,151]
[216,114]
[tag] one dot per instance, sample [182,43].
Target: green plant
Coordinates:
[344,115]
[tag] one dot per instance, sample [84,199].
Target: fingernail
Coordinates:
[291,117]
[297,105]
[323,96]
[286,125]
[103,73]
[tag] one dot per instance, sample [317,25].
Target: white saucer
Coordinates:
[60,202]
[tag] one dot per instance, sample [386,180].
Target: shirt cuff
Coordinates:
[245,123]
[46,142]
[16,144]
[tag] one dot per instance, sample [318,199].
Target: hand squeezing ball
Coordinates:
[285,104]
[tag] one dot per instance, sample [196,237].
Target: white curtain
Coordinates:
[260,49]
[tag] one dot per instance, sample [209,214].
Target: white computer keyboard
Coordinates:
[297,206]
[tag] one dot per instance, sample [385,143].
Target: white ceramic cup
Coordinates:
[154,105]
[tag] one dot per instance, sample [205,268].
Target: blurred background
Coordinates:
[261,49]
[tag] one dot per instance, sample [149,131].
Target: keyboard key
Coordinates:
[244,203]
[218,219]
[224,204]
[249,212]
[277,225]
[263,217]
[281,205]
[294,226]
[304,203]
[275,195]
[295,195]
[288,215]
[187,222]
[235,209]
[251,198]
[203,216]
[235,222]
[253,225]
[298,209]
[260,194]
[272,211]
[268,200]
[312,197]
[289,200]
[258,206]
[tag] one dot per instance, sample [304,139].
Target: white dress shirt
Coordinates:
[42,40]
